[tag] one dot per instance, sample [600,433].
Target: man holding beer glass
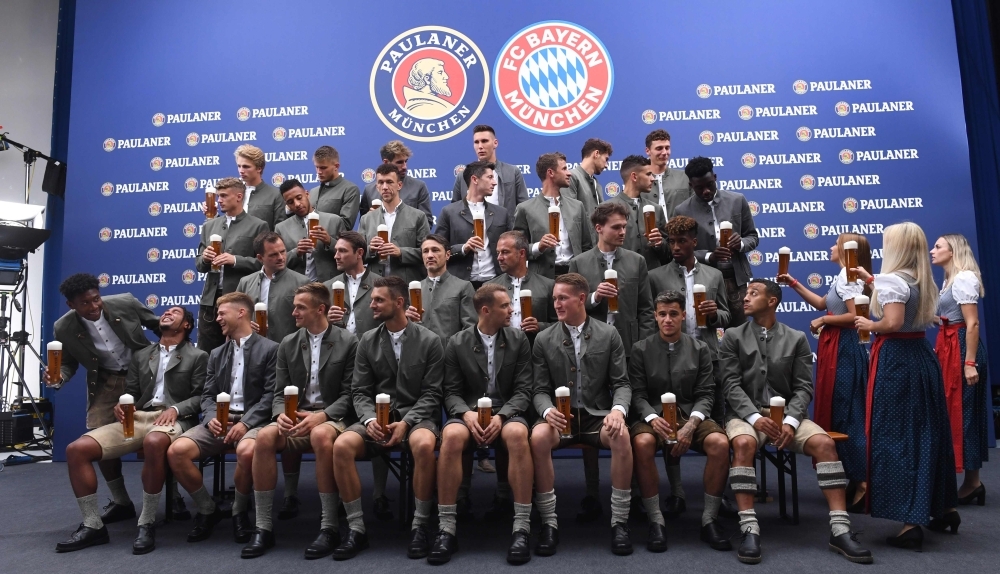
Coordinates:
[498,368]
[351,307]
[588,357]
[673,362]
[400,364]
[445,300]
[473,226]
[226,258]
[395,248]
[242,371]
[312,407]
[164,383]
[530,293]
[511,189]
[646,217]
[767,365]
[308,234]
[274,285]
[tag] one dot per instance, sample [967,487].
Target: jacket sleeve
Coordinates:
[732,378]
[293,260]
[282,379]
[467,311]
[621,390]
[211,389]
[363,385]
[704,388]
[411,255]
[640,385]
[521,224]
[370,255]
[722,314]
[644,306]
[443,229]
[132,379]
[351,206]
[247,264]
[342,407]
[542,397]
[802,382]
[587,232]
[147,318]
[424,202]
[520,402]
[279,210]
[429,400]
[260,413]
[522,188]
[189,407]
[456,190]
[200,264]
[454,381]
[750,237]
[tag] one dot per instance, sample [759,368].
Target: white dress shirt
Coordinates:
[515,318]
[313,395]
[166,353]
[489,341]
[564,251]
[482,261]
[246,197]
[112,354]
[659,185]
[310,256]
[352,292]
[576,333]
[389,218]
[397,345]
[691,319]
[609,260]
[265,288]
[236,392]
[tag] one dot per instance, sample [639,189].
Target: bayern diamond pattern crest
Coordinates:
[553,77]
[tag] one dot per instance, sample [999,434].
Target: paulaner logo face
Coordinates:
[277,179]
[459,170]
[754,208]
[745,112]
[152,301]
[703,91]
[553,78]
[807,182]
[706,137]
[107,189]
[815,280]
[649,116]
[279,134]
[749,160]
[368,175]
[155,208]
[104,234]
[109,144]
[192,139]
[612,189]
[804,134]
[755,257]
[188,276]
[190,230]
[190,184]
[153,255]
[811,230]
[159,119]
[103,280]
[850,204]
[846,156]
[800,87]
[429,83]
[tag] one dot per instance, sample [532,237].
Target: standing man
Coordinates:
[318,360]
[261,199]
[470,257]
[589,356]
[309,252]
[334,194]
[710,206]
[511,189]
[638,178]
[405,361]
[408,226]
[583,185]
[512,256]
[274,284]
[166,381]
[349,252]
[243,368]
[670,187]
[413,192]
[760,359]
[498,367]
[447,300]
[238,230]
[102,333]
[551,254]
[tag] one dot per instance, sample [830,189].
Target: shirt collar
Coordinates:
[488,339]
[243,341]
[169,349]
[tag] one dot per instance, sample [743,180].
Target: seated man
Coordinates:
[403,360]
[242,367]
[317,361]
[671,361]
[498,367]
[762,358]
[589,354]
[165,381]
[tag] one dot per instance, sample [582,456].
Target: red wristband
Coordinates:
[793,283]
[870,280]
[971,364]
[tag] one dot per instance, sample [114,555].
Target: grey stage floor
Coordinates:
[37,510]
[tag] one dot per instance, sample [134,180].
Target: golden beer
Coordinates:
[338,294]
[554,221]
[698,291]
[669,401]
[778,410]
[383,232]
[127,403]
[216,243]
[417,297]
[291,402]
[851,260]
[312,222]
[525,296]
[564,406]
[649,218]
[784,255]
[479,226]
[382,409]
[222,411]
[861,303]
[211,204]
[611,276]
[485,408]
[260,317]
[725,232]
[54,369]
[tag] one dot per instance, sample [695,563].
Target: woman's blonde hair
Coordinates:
[961,260]
[904,248]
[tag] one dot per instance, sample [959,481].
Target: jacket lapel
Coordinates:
[226,372]
[479,352]
[84,337]
[305,352]
[175,359]
[385,343]
[498,352]
[466,213]
[325,349]
[154,362]
[116,326]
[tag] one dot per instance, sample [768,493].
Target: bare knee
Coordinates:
[744,448]
[82,450]
[244,453]
[322,438]
[155,443]
[422,445]
[716,446]
[823,448]
[644,445]
[515,438]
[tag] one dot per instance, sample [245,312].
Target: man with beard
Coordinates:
[637,176]
[310,251]
[406,226]
[412,191]
[583,185]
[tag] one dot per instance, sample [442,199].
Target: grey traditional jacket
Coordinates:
[293,230]
[336,372]
[541,295]
[339,197]
[280,295]
[510,191]
[728,206]
[448,305]
[455,225]
[408,232]
[532,219]
[635,233]
[259,364]
[670,277]
[267,205]
[364,319]
[236,239]
[674,186]
[413,193]
[183,380]
[467,377]
[584,188]
[686,371]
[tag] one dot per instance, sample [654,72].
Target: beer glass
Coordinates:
[698,290]
[669,401]
[851,260]
[312,222]
[376,204]
[611,276]
[564,407]
[291,402]
[485,408]
[479,226]
[211,204]
[861,303]
[382,412]
[725,232]
[55,361]
[777,410]
[222,411]
[260,317]
[784,254]
[417,298]
[383,232]
[216,244]
[525,296]
[649,217]
[338,294]
[127,402]
[554,221]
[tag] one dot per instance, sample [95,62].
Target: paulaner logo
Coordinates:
[429,83]
[553,78]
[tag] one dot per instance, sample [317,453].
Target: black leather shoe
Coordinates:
[590,510]
[260,541]
[548,540]
[621,541]
[145,541]
[912,539]
[382,510]
[500,509]
[749,552]
[204,524]
[289,508]
[420,545]
[950,520]
[84,537]
[657,540]
[674,506]
[519,552]
[979,495]
[728,508]
[243,529]
[847,544]
[324,544]
[444,546]
[180,512]
[714,536]
[463,509]
[354,542]
[115,512]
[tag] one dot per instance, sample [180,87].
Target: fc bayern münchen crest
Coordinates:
[754,208]
[153,255]
[155,208]
[815,280]
[192,139]
[846,156]
[745,112]
[104,234]
[612,189]
[850,204]
[649,116]
[107,189]
[368,175]
[811,230]
[706,137]
[103,280]
[807,182]
[429,83]
[152,301]
[159,119]
[755,257]
[277,179]
[553,78]
[188,276]
[190,184]
[109,144]
[749,160]
[842,108]
[190,230]
[800,87]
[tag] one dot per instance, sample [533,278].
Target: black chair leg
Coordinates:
[780,456]
[795,488]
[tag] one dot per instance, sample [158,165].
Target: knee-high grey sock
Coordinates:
[592,475]
[743,479]
[150,502]
[448,517]
[91,512]
[674,476]
[839,522]
[421,513]
[546,503]
[653,512]
[831,475]
[621,501]
[265,503]
[118,492]
[329,503]
[711,512]
[203,501]
[240,502]
[380,475]
[748,521]
[522,517]
[355,516]
[291,484]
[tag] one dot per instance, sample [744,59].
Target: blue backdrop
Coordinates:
[828,116]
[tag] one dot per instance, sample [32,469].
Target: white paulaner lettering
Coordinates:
[144,142]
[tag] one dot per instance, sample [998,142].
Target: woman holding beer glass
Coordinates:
[963,361]
[911,462]
[842,362]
